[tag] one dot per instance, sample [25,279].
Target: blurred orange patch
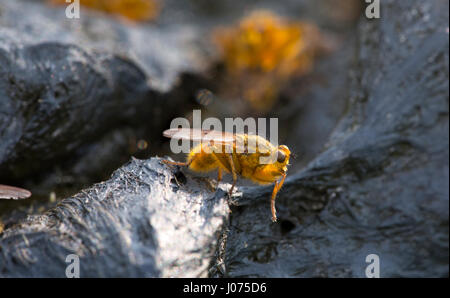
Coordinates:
[263,51]
[136,10]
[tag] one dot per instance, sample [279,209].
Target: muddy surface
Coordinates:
[143,222]
[381,185]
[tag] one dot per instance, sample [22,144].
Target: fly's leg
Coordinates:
[230,166]
[219,176]
[177,163]
[281,182]
[233,171]
[276,188]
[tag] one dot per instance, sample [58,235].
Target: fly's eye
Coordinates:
[281,157]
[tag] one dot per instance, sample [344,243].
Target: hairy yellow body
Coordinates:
[247,165]
[238,154]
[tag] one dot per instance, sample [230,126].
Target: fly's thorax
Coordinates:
[260,148]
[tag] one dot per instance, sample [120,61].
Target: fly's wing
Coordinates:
[205,136]
[200,135]
[241,143]
[11,192]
